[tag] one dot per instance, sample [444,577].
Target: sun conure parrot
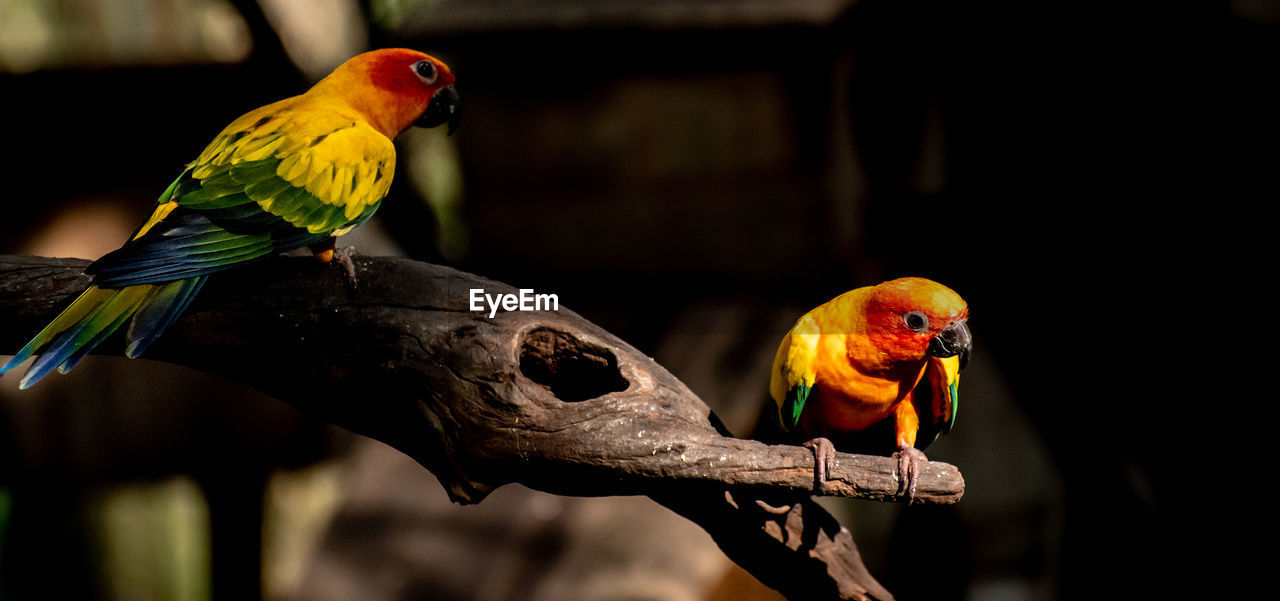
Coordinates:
[298,172]
[873,369]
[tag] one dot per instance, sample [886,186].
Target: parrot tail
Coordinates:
[96,314]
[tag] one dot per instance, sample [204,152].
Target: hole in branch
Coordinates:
[570,368]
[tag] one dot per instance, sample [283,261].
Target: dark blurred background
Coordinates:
[693,176]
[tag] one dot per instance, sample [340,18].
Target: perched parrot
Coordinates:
[298,172]
[873,369]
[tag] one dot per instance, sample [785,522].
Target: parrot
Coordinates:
[298,172]
[873,369]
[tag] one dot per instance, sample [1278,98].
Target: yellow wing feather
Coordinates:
[940,386]
[795,362]
[324,147]
[157,216]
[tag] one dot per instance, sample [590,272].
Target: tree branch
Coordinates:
[542,398]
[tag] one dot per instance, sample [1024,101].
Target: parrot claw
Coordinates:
[342,256]
[824,459]
[909,460]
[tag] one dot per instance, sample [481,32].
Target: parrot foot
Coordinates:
[327,252]
[342,256]
[824,459]
[909,460]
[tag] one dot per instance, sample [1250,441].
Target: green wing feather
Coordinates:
[792,377]
[937,399]
[794,406]
[955,407]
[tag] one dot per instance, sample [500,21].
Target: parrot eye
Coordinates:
[916,320]
[425,71]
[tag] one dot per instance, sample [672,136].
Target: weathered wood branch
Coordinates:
[542,398]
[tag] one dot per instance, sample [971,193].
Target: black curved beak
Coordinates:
[951,341]
[443,108]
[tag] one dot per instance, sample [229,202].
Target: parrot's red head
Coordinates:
[914,317]
[396,88]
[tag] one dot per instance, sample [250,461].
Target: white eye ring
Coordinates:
[916,321]
[425,71]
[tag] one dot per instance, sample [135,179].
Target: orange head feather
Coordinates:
[394,88]
[906,315]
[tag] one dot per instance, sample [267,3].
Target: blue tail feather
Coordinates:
[91,341]
[159,313]
[98,313]
[82,307]
[85,335]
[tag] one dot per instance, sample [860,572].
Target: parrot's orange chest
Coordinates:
[846,398]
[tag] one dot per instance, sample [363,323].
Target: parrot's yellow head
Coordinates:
[395,88]
[911,318]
